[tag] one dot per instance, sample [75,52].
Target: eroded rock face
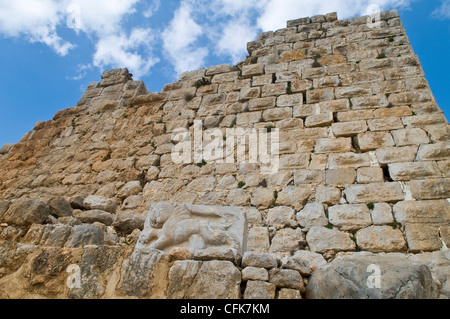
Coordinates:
[372,277]
[26,213]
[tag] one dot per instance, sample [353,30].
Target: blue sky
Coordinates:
[52,49]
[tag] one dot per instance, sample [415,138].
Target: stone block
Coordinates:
[256,289]
[385,124]
[286,278]
[317,120]
[381,239]
[427,211]
[189,226]
[258,239]
[305,176]
[374,193]
[290,100]
[374,140]
[277,114]
[259,259]
[312,214]
[248,118]
[346,129]
[281,216]
[321,240]
[434,152]
[431,189]
[423,237]
[222,68]
[251,70]
[410,136]
[382,214]
[294,196]
[287,240]
[276,89]
[368,175]
[350,217]
[340,177]
[413,170]
[396,154]
[262,103]
[328,195]
[319,95]
[333,145]
[255,273]
[24,212]
[348,160]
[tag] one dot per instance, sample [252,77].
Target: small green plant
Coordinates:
[353,238]
[381,56]
[340,84]
[165,128]
[371,206]
[329,226]
[289,88]
[275,195]
[394,225]
[414,113]
[241,184]
[317,56]
[270,128]
[316,64]
[202,82]
[310,159]
[160,121]
[131,106]
[388,95]
[358,62]
[153,145]
[391,39]
[189,97]
[203,163]
[74,121]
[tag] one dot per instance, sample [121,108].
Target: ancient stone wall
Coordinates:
[363,175]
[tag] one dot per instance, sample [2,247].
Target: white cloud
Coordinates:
[36,20]
[119,50]
[180,38]
[443,11]
[152,8]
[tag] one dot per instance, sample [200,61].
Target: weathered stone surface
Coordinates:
[381,239]
[382,214]
[259,259]
[129,189]
[349,216]
[26,213]
[101,203]
[286,278]
[258,239]
[414,170]
[396,154]
[370,175]
[321,239]
[296,263]
[410,136]
[194,227]
[430,211]
[431,189]
[374,140]
[262,198]
[204,280]
[281,216]
[340,177]
[255,273]
[328,195]
[92,216]
[287,240]
[348,278]
[423,237]
[256,289]
[312,214]
[83,235]
[375,192]
[59,207]
[438,151]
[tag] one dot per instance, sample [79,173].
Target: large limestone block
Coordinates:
[204,280]
[381,239]
[375,192]
[428,211]
[26,213]
[431,188]
[423,237]
[350,277]
[312,214]
[195,228]
[321,239]
[257,289]
[413,170]
[101,203]
[350,216]
[85,234]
